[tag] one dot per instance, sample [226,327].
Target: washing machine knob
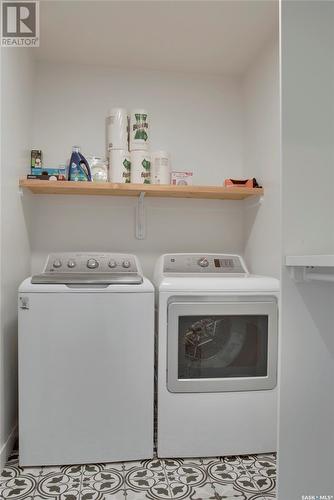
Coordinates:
[203,262]
[57,263]
[92,264]
[112,263]
[126,264]
[71,263]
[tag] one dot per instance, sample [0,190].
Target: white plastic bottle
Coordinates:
[160,168]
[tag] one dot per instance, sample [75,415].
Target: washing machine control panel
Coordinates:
[77,263]
[220,264]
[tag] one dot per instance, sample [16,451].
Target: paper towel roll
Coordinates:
[140,167]
[119,165]
[139,130]
[160,168]
[118,127]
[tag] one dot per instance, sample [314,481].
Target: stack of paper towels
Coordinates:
[118,149]
[131,132]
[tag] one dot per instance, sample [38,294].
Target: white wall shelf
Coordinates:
[305,268]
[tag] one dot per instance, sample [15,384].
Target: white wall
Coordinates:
[262,160]
[16,119]
[197,118]
[306,435]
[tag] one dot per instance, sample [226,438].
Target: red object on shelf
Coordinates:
[248,183]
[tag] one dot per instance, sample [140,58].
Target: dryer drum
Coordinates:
[215,343]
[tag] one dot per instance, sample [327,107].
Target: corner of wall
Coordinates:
[261,100]
[17,76]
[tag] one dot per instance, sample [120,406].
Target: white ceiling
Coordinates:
[215,37]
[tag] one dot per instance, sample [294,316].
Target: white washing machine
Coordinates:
[86,346]
[217,357]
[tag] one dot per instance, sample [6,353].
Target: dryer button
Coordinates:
[203,262]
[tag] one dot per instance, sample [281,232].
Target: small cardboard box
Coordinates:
[181,178]
[49,171]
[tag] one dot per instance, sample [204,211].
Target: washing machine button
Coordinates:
[92,264]
[126,264]
[112,263]
[203,262]
[71,263]
[57,263]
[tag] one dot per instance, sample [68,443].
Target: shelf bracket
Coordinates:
[252,203]
[140,218]
[297,274]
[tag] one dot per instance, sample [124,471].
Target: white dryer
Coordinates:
[86,347]
[217,357]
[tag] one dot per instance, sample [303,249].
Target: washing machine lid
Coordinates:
[87,279]
[28,287]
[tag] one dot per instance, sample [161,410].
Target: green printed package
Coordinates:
[140,126]
[127,167]
[146,174]
[139,130]
[140,167]
[119,165]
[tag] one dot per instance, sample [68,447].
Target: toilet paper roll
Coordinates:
[118,128]
[139,130]
[160,168]
[140,167]
[119,165]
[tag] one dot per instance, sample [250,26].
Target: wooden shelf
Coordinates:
[111,189]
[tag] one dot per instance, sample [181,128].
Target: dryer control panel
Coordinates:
[220,264]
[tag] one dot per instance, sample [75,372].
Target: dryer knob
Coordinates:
[203,262]
[126,264]
[92,264]
[112,263]
[71,263]
[57,263]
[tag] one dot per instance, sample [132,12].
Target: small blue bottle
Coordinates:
[78,169]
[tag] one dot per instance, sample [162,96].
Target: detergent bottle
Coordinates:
[78,169]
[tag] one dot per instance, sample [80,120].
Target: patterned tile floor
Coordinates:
[251,477]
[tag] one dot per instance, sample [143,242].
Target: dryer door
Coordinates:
[223,346]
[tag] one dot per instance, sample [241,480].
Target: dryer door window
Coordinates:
[222,346]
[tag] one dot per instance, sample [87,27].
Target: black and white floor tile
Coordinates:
[251,477]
